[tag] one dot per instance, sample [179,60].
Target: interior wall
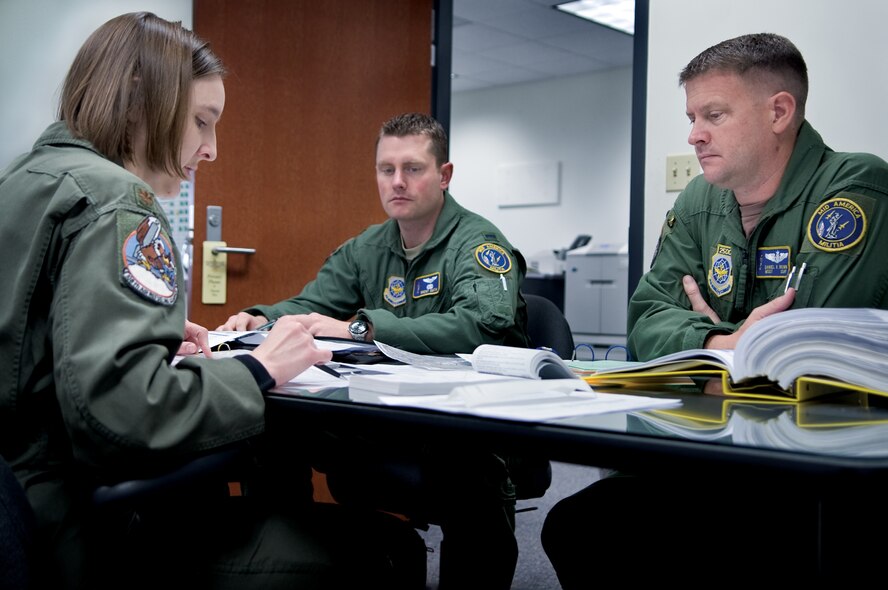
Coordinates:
[38,41]
[844,45]
[582,121]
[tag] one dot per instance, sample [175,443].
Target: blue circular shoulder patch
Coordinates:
[493,257]
[837,224]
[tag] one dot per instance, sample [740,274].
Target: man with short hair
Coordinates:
[772,197]
[434,278]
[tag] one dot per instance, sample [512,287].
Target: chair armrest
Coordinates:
[169,483]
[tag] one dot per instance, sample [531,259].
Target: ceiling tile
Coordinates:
[498,42]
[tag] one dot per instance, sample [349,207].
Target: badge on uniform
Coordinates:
[395,293]
[721,277]
[427,285]
[772,262]
[149,263]
[493,258]
[837,224]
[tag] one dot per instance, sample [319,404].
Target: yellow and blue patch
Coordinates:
[772,262]
[721,276]
[395,293]
[837,224]
[149,263]
[493,258]
[427,285]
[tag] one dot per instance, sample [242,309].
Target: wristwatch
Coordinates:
[359,330]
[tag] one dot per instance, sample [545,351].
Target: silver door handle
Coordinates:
[230,250]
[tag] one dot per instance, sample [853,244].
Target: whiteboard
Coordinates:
[528,184]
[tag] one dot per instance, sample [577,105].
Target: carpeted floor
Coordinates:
[534,572]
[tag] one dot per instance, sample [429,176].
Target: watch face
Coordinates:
[358,330]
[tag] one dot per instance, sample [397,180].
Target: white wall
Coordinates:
[845,47]
[582,121]
[38,42]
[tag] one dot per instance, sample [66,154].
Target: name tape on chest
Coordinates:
[772,262]
[427,285]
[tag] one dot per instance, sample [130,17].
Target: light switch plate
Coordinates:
[680,170]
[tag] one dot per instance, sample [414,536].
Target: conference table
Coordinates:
[834,450]
[842,440]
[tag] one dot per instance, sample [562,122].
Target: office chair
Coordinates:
[132,493]
[17,529]
[547,326]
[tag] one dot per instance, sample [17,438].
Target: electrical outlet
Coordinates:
[680,170]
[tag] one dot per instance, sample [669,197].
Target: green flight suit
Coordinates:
[830,213]
[92,317]
[460,292]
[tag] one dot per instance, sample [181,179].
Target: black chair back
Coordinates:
[547,326]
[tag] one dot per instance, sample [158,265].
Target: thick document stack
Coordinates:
[494,381]
[794,355]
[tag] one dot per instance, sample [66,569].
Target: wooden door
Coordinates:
[309,85]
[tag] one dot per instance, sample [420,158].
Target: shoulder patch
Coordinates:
[149,262]
[837,224]
[493,258]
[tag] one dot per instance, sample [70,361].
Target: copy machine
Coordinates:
[596,279]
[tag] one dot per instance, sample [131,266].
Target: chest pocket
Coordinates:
[805,288]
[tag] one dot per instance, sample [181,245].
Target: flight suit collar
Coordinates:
[59,134]
[803,164]
[447,221]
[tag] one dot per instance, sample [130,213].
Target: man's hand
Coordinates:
[243,322]
[321,325]
[196,339]
[729,341]
[698,304]
[288,350]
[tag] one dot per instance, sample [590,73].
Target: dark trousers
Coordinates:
[696,533]
[242,543]
[199,536]
[466,491]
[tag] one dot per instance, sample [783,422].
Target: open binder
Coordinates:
[795,355]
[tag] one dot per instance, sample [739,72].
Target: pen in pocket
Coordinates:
[798,278]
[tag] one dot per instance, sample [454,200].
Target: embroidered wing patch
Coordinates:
[149,263]
[427,285]
[772,262]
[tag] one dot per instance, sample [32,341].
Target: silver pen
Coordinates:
[789,279]
[801,272]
